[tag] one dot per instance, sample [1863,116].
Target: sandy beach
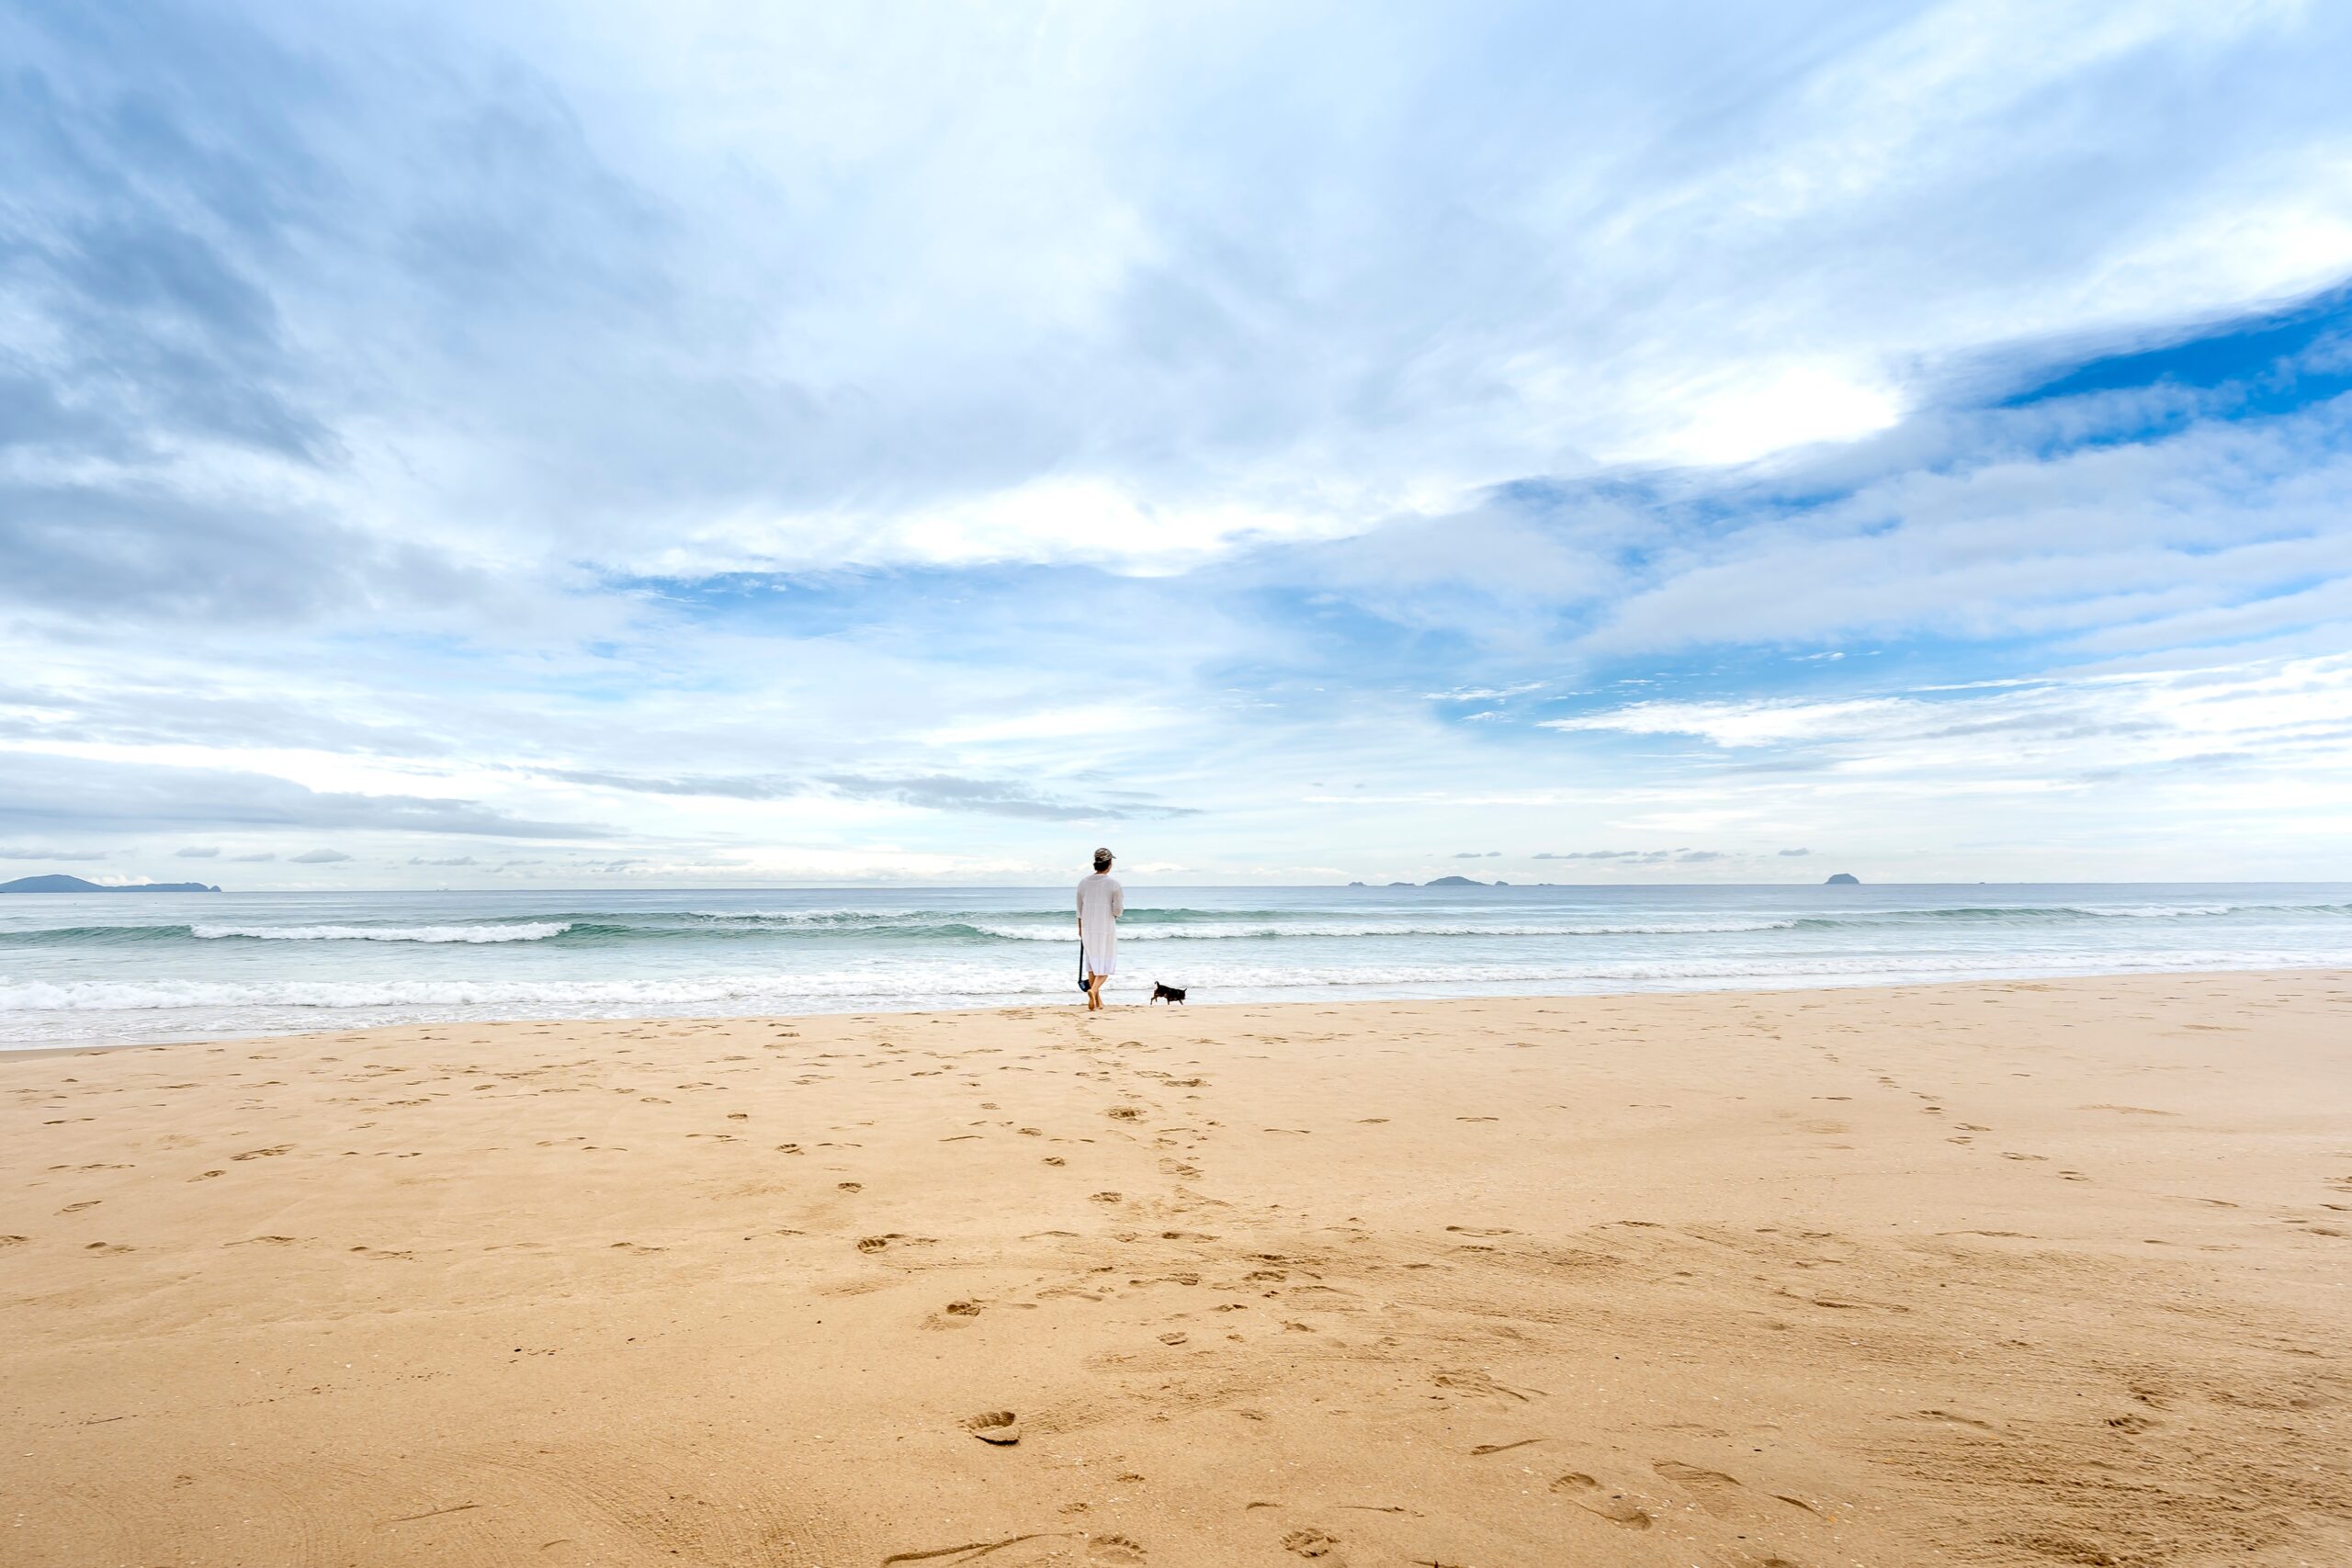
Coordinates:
[2028,1273]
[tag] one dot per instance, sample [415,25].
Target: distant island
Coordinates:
[61,884]
[1454,882]
[1844,879]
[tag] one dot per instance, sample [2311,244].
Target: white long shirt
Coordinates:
[1100,902]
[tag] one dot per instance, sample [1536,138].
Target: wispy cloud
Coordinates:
[2279,710]
[1638,857]
[996,797]
[123,794]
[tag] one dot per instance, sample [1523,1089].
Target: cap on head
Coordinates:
[1102,859]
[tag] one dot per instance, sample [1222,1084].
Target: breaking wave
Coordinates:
[523,931]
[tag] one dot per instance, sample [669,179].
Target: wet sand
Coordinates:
[2033,1273]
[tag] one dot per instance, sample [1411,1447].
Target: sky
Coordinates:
[580,444]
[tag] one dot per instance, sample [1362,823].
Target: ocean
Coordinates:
[78,969]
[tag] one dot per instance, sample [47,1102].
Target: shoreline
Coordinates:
[2016,1272]
[554,1020]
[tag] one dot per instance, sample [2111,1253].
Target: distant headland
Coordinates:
[1843,879]
[61,884]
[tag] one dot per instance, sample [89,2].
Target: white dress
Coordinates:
[1100,902]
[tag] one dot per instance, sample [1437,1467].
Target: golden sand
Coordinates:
[1986,1274]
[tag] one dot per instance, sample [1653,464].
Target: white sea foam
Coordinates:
[2178,911]
[935,984]
[527,931]
[1262,930]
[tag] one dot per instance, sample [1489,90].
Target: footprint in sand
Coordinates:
[887,1238]
[1470,1380]
[1955,1420]
[1675,1470]
[1594,1499]
[1691,1474]
[850,1186]
[1107,1198]
[264,1154]
[1123,1113]
[1309,1542]
[1113,1549]
[1001,1427]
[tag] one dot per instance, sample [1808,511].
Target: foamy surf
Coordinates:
[531,931]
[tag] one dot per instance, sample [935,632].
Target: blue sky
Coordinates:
[573,444]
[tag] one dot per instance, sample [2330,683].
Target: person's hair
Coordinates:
[1102,859]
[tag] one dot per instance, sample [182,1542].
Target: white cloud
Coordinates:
[1753,410]
[1120,471]
[2213,532]
[2058,732]
[1738,724]
[978,306]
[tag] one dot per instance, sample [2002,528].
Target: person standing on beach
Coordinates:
[1100,902]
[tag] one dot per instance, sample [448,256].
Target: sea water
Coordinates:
[153,966]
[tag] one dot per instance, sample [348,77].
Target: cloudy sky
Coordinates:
[464,445]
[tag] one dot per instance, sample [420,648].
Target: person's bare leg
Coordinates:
[1095,992]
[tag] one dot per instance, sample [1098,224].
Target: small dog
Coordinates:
[1165,993]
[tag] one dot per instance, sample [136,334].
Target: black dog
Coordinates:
[1160,992]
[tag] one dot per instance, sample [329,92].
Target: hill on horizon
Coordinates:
[57,882]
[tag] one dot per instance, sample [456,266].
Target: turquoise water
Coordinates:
[130,966]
